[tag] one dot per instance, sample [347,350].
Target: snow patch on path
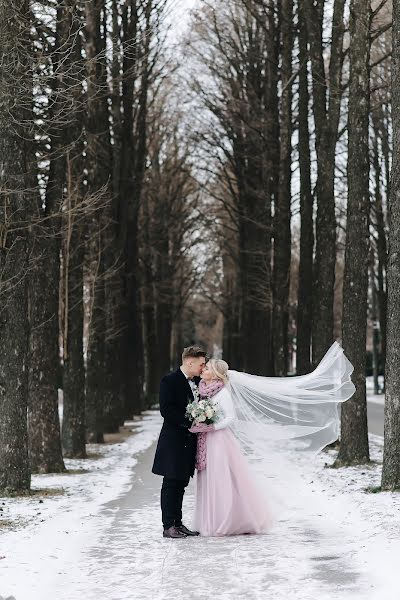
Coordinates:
[102,539]
[49,532]
[374,518]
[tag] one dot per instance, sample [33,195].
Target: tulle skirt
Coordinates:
[228,501]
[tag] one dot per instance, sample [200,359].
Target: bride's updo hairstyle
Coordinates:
[220,368]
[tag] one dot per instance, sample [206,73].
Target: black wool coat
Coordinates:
[176,449]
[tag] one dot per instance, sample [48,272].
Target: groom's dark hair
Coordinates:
[193,352]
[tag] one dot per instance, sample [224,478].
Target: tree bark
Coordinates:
[131,178]
[149,296]
[282,215]
[73,425]
[231,347]
[44,361]
[326,129]
[381,246]
[258,182]
[114,379]
[15,212]
[391,454]
[305,278]
[354,431]
[98,164]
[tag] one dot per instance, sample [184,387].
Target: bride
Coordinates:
[254,415]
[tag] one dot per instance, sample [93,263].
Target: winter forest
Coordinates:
[215,173]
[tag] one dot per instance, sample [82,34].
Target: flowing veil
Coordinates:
[291,413]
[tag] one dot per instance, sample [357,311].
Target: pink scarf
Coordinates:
[206,391]
[210,389]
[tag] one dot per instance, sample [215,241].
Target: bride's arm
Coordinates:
[225,402]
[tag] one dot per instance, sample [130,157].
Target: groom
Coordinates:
[176,449]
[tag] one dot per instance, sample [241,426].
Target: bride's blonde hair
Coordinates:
[220,368]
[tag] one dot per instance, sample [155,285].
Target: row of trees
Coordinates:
[294,110]
[271,84]
[97,207]
[231,192]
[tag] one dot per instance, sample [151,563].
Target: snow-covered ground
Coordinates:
[101,538]
[372,517]
[41,537]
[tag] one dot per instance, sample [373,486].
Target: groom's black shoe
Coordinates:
[173,532]
[186,531]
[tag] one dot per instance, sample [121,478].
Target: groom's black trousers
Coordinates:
[172,492]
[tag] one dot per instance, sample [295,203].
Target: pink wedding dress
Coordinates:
[228,501]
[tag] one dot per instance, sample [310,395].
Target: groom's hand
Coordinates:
[201,428]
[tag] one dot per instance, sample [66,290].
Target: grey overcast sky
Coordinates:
[180,10]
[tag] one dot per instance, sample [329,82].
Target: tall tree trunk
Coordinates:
[98,161]
[44,361]
[131,177]
[15,212]
[149,302]
[326,129]
[381,245]
[354,431]
[391,454]
[114,382]
[282,216]
[231,347]
[135,342]
[163,309]
[304,293]
[73,425]
[256,280]
[259,187]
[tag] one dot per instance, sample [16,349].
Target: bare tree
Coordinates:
[380,158]
[282,214]
[44,364]
[391,456]
[16,210]
[326,109]
[305,277]
[98,150]
[73,425]
[354,430]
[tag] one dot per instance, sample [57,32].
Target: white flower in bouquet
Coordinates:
[200,411]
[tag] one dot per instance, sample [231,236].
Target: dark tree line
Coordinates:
[293,105]
[233,192]
[92,158]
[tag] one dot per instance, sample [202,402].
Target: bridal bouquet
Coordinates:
[201,410]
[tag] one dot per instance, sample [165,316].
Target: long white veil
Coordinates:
[292,413]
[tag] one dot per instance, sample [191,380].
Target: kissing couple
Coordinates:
[227,501]
[203,401]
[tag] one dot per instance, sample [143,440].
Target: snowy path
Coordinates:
[103,541]
[146,566]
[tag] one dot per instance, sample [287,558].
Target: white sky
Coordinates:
[180,10]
